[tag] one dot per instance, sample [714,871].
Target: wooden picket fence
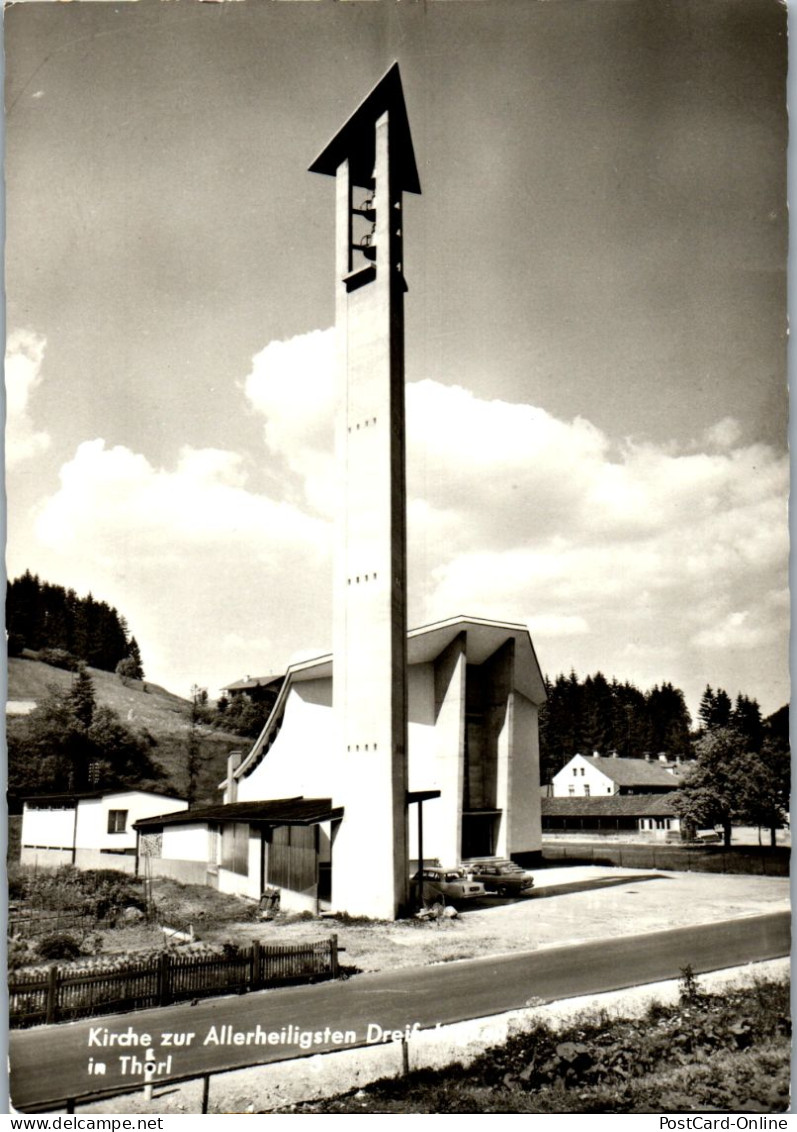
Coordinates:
[63,995]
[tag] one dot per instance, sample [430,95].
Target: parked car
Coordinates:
[448,885]
[505,880]
[708,836]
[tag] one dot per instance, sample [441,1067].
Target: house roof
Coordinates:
[614,806]
[80,795]
[253,682]
[633,772]
[276,811]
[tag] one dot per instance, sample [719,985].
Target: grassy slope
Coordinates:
[159,711]
[161,714]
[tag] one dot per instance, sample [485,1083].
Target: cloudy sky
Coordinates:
[596,381]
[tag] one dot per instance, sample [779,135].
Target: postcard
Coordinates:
[397,554]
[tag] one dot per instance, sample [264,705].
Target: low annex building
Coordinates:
[93,830]
[621,815]
[474,689]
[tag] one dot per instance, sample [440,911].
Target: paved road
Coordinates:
[49,1063]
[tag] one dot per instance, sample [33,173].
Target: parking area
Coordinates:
[568,905]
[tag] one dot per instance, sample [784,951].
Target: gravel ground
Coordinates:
[569,905]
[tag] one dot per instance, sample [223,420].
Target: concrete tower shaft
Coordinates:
[372,160]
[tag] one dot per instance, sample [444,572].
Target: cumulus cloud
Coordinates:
[644,561]
[23,362]
[292,385]
[723,434]
[555,625]
[614,553]
[198,562]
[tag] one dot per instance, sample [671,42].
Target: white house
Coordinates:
[474,689]
[89,830]
[612,796]
[598,776]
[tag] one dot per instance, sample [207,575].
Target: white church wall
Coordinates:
[506,747]
[422,768]
[300,760]
[443,816]
[523,817]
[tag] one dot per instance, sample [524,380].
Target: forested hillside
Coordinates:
[137,732]
[66,628]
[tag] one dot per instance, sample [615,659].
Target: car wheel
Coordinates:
[501,890]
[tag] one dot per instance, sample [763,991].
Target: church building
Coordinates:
[408,746]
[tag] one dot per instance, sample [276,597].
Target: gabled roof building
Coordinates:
[602,776]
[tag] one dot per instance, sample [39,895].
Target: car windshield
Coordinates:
[453,876]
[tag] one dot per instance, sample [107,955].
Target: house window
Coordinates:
[575,770]
[586,790]
[117,821]
[571,789]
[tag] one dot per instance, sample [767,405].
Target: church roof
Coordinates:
[482,638]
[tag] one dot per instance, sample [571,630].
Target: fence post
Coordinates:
[333,955]
[254,982]
[52,994]
[405,1057]
[163,979]
[205,1093]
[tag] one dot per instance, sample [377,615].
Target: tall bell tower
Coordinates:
[373,163]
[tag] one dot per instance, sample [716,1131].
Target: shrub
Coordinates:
[16,644]
[59,945]
[128,670]
[17,882]
[59,658]
[689,991]
[102,893]
[20,952]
